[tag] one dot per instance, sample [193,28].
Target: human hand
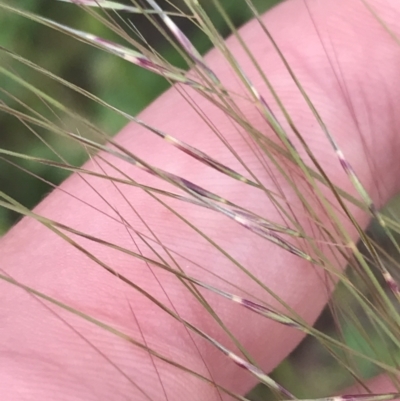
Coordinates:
[348,64]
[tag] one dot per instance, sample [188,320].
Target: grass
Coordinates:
[67,117]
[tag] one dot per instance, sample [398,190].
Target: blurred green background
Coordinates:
[119,83]
[309,370]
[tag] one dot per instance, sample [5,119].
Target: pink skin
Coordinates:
[45,358]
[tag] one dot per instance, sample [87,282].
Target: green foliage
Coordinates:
[126,87]
[129,89]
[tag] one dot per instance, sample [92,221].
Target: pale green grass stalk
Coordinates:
[368,281]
